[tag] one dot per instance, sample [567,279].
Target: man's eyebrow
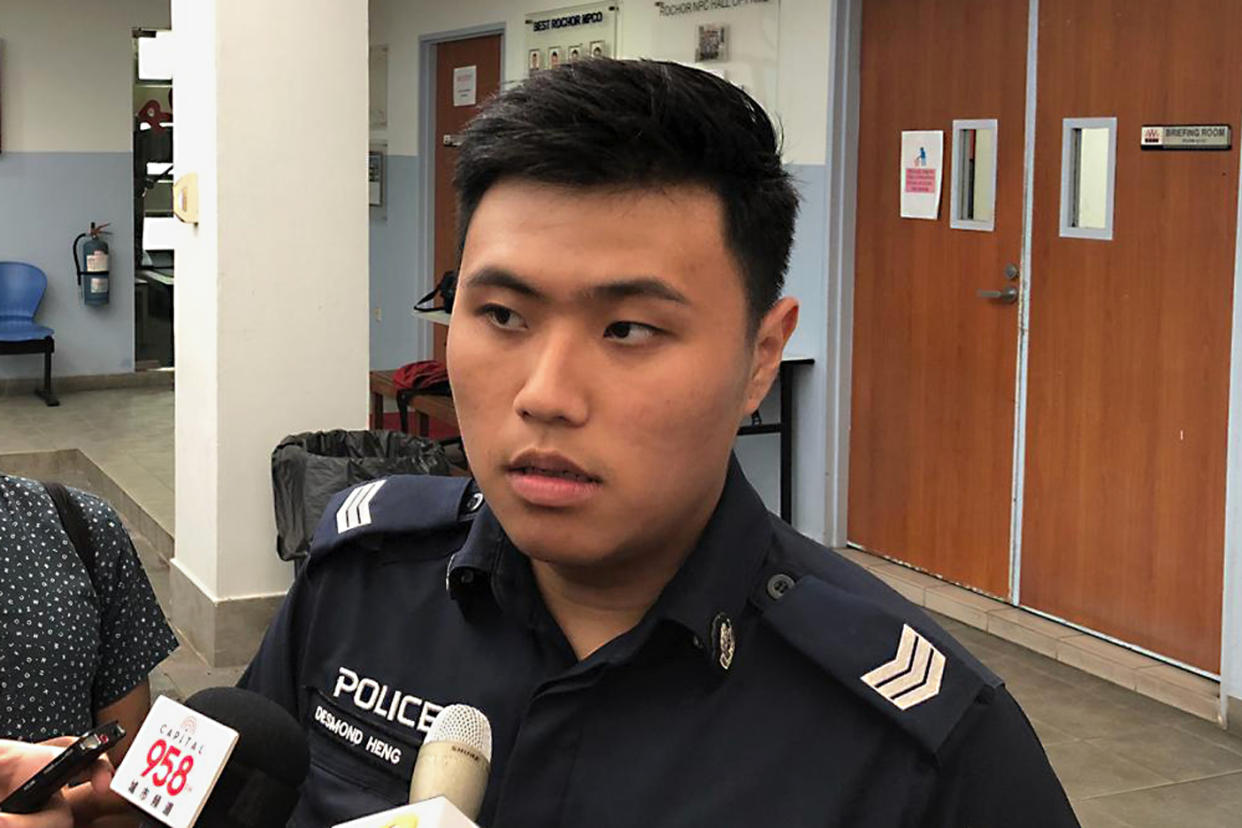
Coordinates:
[500,278]
[638,287]
[635,287]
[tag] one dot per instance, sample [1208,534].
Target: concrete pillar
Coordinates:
[270,101]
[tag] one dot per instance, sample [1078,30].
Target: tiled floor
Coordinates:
[127,432]
[1125,760]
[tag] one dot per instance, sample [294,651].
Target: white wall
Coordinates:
[804,38]
[66,74]
[272,283]
[196,298]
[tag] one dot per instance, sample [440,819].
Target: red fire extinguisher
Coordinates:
[94,278]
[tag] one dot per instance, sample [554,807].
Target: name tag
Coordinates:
[360,739]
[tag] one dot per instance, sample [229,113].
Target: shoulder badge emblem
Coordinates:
[914,674]
[355,512]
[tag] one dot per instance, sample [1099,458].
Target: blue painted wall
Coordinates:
[398,247]
[397,255]
[46,199]
[806,281]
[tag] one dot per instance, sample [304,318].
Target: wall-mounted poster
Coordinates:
[534,61]
[465,85]
[570,34]
[922,168]
[378,66]
[738,40]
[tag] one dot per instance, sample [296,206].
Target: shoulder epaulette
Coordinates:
[883,648]
[401,504]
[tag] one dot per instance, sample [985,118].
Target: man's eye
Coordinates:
[631,333]
[502,317]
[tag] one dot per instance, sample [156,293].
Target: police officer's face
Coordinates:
[600,364]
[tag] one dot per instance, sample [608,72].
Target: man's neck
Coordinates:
[593,605]
[593,610]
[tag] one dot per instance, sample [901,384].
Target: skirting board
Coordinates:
[224,633]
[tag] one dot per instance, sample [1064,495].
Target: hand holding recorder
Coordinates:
[25,767]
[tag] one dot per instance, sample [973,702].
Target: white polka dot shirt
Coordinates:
[69,647]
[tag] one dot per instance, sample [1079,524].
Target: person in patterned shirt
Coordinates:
[76,647]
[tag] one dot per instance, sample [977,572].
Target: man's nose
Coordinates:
[554,391]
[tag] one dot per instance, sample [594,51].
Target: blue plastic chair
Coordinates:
[21,290]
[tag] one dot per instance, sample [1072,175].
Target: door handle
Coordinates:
[1006,296]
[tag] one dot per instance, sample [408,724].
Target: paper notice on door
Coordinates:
[922,173]
[465,86]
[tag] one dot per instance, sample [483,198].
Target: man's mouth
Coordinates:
[558,473]
[550,464]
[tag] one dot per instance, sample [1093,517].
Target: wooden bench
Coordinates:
[382,385]
[428,407]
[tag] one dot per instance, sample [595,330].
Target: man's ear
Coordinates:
[774,331]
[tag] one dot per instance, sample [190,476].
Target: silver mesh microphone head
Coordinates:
[464,725]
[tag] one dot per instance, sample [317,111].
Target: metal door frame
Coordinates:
[427,149]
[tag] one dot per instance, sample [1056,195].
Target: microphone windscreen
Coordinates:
[259,786]
[454,759]
[464,725]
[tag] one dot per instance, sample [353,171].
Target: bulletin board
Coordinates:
[738,40]
[570,34]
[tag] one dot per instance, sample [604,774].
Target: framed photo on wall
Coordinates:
[599,48]
[575,53]
[713,43]
[534,61]
[554,57]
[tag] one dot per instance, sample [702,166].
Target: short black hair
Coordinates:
[600,122]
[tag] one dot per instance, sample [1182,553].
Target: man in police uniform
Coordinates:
[651,646]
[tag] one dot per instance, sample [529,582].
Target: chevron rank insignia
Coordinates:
[914,674]
[355,512]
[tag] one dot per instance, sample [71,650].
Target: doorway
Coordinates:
[464,72]
[1050,428]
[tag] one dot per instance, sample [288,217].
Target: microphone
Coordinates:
[258,786]
[450,775]
[455,759]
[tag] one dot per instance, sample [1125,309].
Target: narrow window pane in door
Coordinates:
[1088,177]
[1091,180]
[974,175]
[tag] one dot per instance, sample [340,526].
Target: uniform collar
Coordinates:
[706,596]
[709,592]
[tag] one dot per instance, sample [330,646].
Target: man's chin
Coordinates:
[562,552]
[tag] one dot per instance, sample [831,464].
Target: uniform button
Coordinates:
[778,585]
[475,502]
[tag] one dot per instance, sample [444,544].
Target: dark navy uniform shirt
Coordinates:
[772,683]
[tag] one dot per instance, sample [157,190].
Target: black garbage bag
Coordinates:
[307,469]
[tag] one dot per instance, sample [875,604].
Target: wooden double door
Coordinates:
[1065,451]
